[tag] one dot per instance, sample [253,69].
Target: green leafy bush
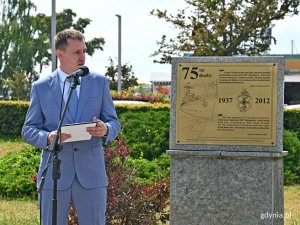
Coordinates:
[146,133]
[292,161]
[18,173]
[149,171]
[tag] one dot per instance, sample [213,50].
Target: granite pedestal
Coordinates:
[228,188]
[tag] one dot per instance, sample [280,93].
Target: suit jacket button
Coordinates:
[76,149]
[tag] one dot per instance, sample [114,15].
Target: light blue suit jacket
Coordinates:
[83,158]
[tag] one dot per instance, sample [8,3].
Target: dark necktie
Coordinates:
[73,104]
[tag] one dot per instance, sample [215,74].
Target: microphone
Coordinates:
[81,72]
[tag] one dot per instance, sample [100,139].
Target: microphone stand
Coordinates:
[54,149]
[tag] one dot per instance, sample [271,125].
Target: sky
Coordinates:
[140,31]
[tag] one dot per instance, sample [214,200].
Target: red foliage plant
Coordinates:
[145,97]
[130,203]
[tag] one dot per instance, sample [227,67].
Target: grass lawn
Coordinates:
[292,205]
[19,212]
[11,145]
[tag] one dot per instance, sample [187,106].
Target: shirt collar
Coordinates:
[62,75]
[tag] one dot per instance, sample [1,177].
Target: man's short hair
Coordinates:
[62,37]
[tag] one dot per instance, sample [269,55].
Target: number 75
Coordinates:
[193,73]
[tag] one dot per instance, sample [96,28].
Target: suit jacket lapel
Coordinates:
[54,84]
[85,90]
[55,88]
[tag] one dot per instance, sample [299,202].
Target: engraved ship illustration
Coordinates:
[199,99]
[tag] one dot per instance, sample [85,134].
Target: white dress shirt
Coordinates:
[62,77]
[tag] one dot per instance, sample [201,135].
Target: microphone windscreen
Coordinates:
[85,70]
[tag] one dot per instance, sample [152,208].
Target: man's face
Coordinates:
[73,56]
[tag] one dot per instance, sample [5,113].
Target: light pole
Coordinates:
[119,54]
[53,32]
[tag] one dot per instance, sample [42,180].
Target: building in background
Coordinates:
[291,79]
[161,83]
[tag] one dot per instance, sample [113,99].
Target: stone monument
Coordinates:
[226,144]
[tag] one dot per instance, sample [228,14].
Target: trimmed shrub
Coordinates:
[292,161]
[12,116]
[122,108]
[291,120]
[146,133]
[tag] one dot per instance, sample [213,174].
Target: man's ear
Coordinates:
[59,53]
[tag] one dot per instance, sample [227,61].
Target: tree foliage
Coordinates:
[65,20]
[19,86]
[127,79]
[20,47]
[25,44]
[222,27]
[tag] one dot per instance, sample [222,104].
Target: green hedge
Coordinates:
[12,114]
[291,144]
[291,120]
[145,127]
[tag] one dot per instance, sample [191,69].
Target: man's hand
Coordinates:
[99,130]
[63,137]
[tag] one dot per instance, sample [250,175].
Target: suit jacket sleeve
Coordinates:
[109,115]
[32,130]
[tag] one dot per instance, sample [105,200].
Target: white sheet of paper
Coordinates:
[78,131]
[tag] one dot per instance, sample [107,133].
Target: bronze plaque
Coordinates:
[226,103]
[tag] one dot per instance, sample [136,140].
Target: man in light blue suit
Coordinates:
[83,177]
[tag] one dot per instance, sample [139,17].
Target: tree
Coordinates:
[19,86]
[65,20]
[222,28]
[20,48]
[25,41]
[128,79]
